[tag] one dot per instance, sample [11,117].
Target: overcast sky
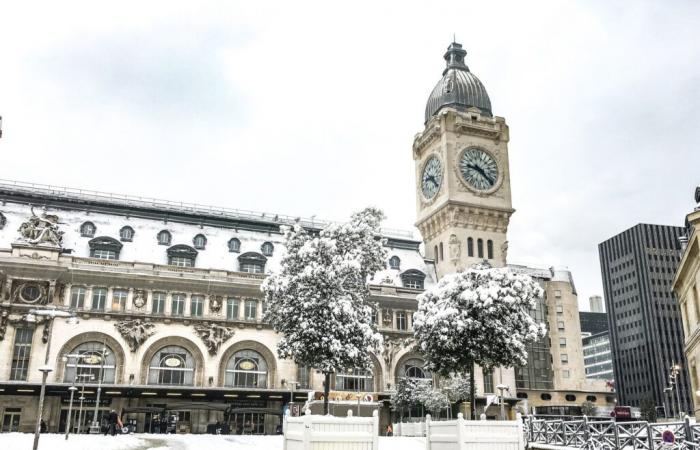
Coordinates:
[311,108]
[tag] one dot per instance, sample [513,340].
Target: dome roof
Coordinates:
[458,86]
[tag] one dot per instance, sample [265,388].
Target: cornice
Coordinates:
[467,216]
[422,140]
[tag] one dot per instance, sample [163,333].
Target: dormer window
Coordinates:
[105,247]
[199,241]
[164,237]
[234,245]
[87,229]
[126,234]
[181,256]
[267,248]
[413,279]
[394,263]
[252,262]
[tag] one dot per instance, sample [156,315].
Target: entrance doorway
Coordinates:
[247,423]
[10,420]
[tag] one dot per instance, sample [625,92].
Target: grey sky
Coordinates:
[310,108]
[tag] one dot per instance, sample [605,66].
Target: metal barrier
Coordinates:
[608,435]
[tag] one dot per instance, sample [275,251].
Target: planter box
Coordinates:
[310,432]
[463,434]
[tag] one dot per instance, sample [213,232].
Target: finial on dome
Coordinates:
[455,57]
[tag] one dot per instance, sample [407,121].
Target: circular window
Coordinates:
[30,293]
[591,398]
[545,396]
[570,398]
[521,395]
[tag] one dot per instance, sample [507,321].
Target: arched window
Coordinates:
[164,237]
[252,262]
[442,254]
[355,380]
[470,247]
[489,249]
[181,256]
[105,247]
[199,242]
[413,368]
[246,368]
[570,398]
[126,234]
[414,279]
[87,229]
[90,358]
[480,247]
[172,365]
[234,245]
[546,396]
[394,263]
[267,248]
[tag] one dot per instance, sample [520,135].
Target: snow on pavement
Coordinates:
[23,441]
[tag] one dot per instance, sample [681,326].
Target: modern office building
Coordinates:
[593,323]
[687,287]
[595,303]
[597,357]
[646,334]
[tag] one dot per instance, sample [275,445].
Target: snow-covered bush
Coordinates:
[318,300]
[478,316]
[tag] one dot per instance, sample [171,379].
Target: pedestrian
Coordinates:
[112,420]
[42,426]
[389,430]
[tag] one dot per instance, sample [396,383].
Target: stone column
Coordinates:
[67,295]
[148,307]
[87,304]
[168,303]
[187,312]
[129,300]
[109,299]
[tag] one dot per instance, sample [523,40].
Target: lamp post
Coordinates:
[50,315]
[84,376]
[72,390]
[501,388]
[673,381]
[95,427]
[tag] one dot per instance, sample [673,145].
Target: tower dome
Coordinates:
[458,87]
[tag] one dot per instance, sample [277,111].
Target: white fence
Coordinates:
[409,429]
[331,433]
[463,434]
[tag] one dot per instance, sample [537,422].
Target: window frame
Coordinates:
[124,229]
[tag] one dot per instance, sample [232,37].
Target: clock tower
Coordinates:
[461,162]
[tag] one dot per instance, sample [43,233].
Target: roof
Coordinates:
[458,86]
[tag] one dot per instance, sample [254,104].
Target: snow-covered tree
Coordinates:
[457,388]
[478,316]
[318,299]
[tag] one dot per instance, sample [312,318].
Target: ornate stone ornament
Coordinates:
[4,319]
[387,280]
[387,317]
[213,335]
[392,346]
[215,302]
[455,249]
[139,299]
[3,221]
[30,293]
[135,332]
[41,230]
[504,251]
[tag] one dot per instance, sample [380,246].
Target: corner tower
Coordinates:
[462,174]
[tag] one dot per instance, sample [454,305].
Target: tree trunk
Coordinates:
[472,393]
[326,392]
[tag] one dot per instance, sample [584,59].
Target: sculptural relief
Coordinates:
[455,248]
[41,230]
[135,332]
[215,302]
[139,299]
[213,335]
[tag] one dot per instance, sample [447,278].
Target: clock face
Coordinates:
[431,178]
[479,169]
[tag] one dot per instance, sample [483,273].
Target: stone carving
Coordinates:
[387,317]
[392,346]
[139,299]
[135,332]
[215,302]
[455,249]
[504,251]
[4,319]
[45,333]
[41,230]
[388,280]
[213,335]
[30,292]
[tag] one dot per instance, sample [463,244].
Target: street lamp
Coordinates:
[72,390]
[50,315]
[84,376]
[501,388]
[673,375]
[95,427]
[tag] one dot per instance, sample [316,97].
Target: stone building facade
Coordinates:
[686,285]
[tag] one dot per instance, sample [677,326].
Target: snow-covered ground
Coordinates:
[20,441]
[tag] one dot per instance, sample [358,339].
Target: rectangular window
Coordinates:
[21,353]
[158,303]
[560,309]
[565,373]
[77,297]
[488,382]
[251,309]
[104,254]
[303,377]
[560,325]
[196,306]
[99,299]
[375,316]
[181,261]
[232,309]
[177,305]
[251,268]
[401,320]
[119,297]
[562,342]
[557,294]
[564,358]
[413,283]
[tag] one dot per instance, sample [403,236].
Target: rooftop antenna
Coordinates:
[454,38]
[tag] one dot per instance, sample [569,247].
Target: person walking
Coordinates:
[112,420]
